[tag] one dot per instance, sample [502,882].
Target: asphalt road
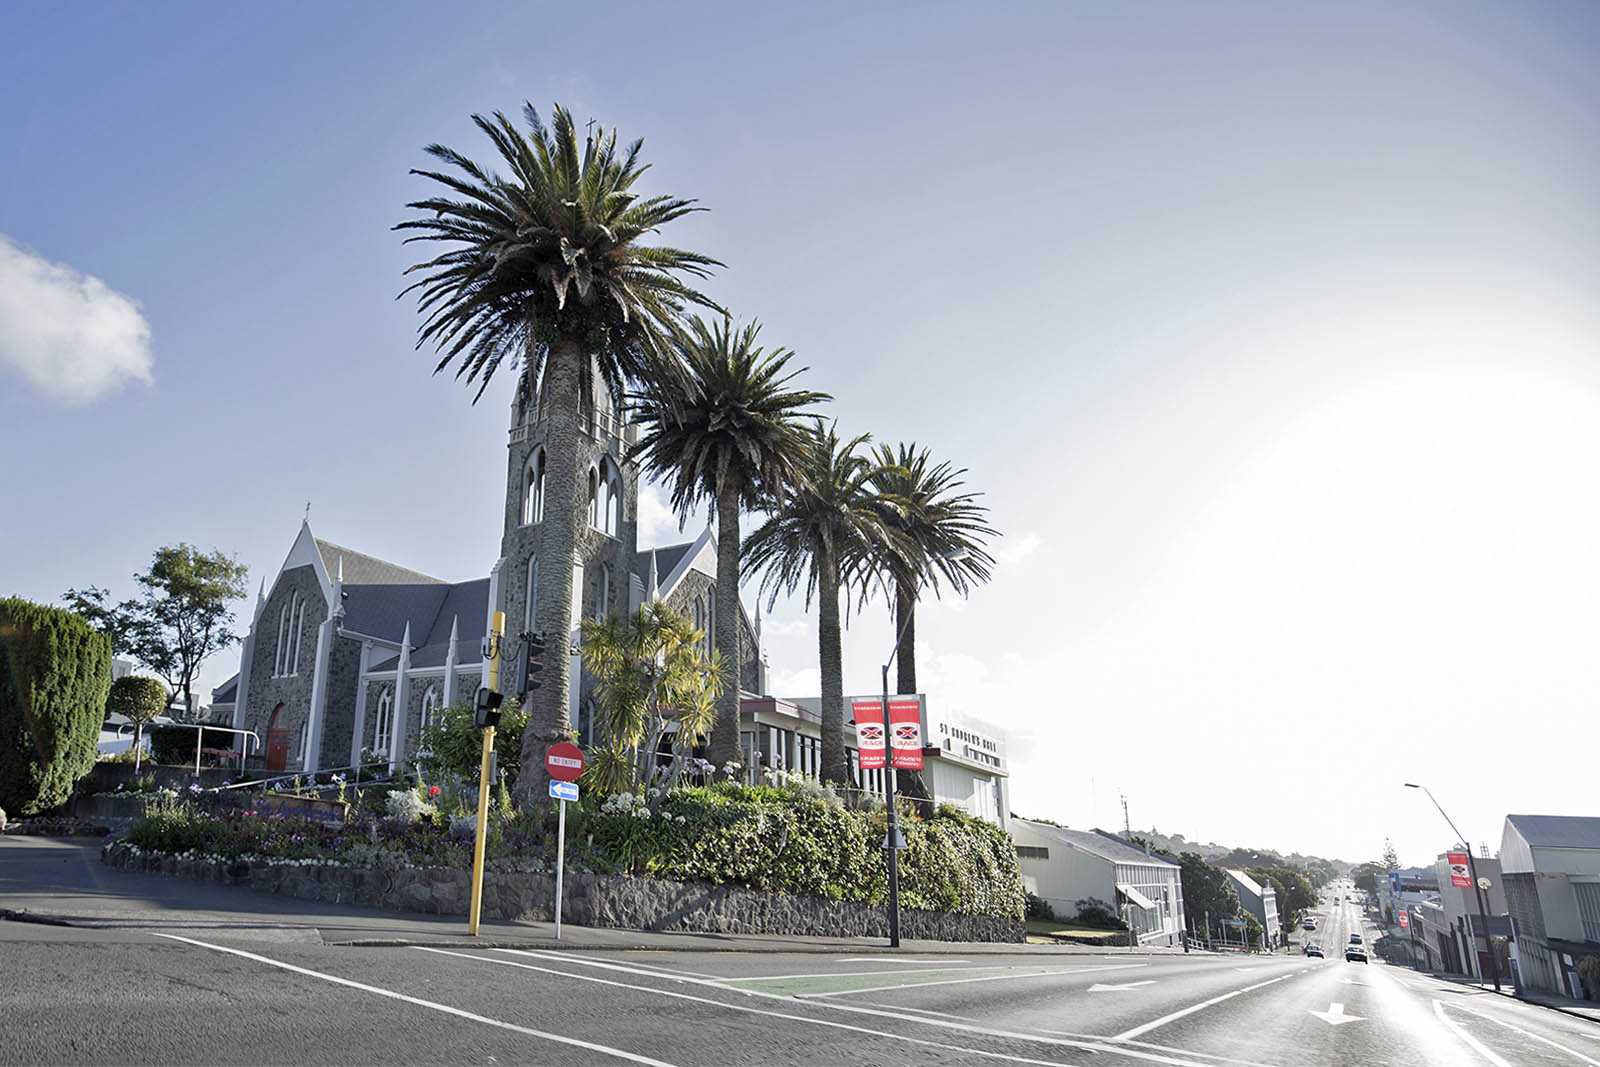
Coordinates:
[74,995]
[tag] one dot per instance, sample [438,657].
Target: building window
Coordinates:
[383,730]
[283,642]
[533,489]
[299,630]
[610,498]
[532,594]
[430,715]
[602,598]
[305,739]
[1032,852]
[594,499]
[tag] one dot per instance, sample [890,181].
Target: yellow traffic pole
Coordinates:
[476,908]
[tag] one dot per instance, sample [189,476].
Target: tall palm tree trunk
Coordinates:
[910,783]
[905,624]
[835,767]
[548,721]
[725,624]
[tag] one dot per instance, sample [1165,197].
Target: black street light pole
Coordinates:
[1477,889]
[888,796]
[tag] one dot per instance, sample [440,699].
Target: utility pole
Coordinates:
[1127,827]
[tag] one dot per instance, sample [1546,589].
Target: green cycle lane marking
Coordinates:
[821,985]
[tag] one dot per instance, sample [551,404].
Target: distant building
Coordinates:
[1076,869]
[963,761]
[1550,865]
[1260,900]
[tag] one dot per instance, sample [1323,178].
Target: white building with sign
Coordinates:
[963,759]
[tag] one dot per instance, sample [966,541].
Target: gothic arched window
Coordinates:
[383,729]
[533,489]
[610,498]
[594,498]
[602,599]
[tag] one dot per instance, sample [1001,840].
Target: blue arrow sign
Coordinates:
[563,790]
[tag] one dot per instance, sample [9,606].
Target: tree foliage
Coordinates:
[1293,891]
[452,745]
[55,673]
[825,535]
[181,619]
[724,430]
[652,677]
[184,616]
[137,699]
[1206,890]
[552,252]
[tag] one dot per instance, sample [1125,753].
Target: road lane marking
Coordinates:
[1108,987]
[896,959]
[1528,1033]
[1335,1015]
[1191,1009]
[1438,1009]
[738,983]
[1089,1044]
[419,1002]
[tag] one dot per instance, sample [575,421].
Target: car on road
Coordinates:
[1355,939]
[1309,924]
[1355,954]
[1313,950]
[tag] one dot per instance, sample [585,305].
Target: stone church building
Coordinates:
[348,656]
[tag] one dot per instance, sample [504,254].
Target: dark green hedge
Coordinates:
[55,673]
[788,841]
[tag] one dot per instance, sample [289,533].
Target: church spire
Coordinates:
[653,590]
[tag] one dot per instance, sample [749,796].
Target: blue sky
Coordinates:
[1268,330]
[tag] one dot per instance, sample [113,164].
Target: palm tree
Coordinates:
[942,533]
[726,431]
[546,267]
[652,674]
[827,532]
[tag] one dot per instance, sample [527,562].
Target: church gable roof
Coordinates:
[362,569]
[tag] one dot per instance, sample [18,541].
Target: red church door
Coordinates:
[278,740]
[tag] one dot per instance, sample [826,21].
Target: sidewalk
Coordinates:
[61,881]
[1583,1009]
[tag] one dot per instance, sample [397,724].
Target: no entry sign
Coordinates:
[564,761]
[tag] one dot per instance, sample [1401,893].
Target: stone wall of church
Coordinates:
[697,584]
[293,690]
[344,675]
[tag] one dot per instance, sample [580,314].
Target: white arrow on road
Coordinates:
[1335,1015]
[1107,987]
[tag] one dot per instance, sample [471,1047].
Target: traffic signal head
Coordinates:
[486,710]
[529,653]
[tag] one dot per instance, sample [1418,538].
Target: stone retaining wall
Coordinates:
[591,900]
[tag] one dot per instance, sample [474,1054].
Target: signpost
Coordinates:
[487,715]
[564,761]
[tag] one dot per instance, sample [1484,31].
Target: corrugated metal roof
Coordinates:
[1558,831]
[1099,843]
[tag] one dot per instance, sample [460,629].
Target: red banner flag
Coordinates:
[1460,872]
[905,732]
[869,733]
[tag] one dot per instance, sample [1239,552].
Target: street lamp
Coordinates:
[893,835]
[1477,889]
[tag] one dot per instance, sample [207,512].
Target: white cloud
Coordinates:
[1014,551]
[657,523]
[792,628]
[68,333]
[801,683]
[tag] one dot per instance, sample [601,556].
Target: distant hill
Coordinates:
[1232,855]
